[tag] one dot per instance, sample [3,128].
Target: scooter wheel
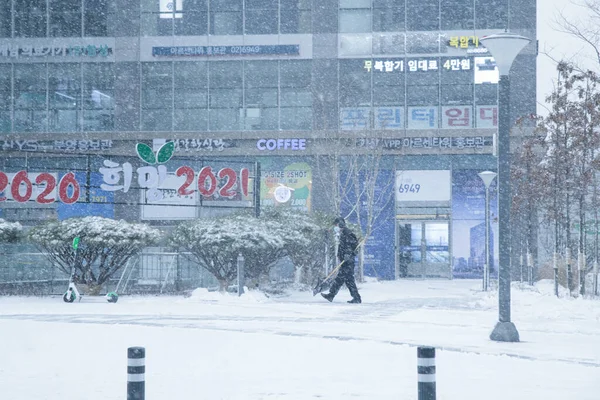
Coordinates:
[112,297]
[67,298]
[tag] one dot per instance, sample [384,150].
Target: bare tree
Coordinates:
[585,29]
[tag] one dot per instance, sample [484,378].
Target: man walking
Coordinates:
[347,247]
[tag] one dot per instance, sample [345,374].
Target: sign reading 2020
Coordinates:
[225,183]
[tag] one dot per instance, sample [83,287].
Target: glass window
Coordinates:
[225,81]
[30,18]
[95,17]
[224,119]
[190,96]
[423,15]
[5,97]
[225,74]
[457,14]
[226,17]
[5,22]
[388,88]
[457,94]
[388,43]
[295,73]
[158,16]
[423,95]
[355,21]
[355,84]
[491,14]
[295,16]
[65,18]
[194,18]
[422,88]
[261,96]
[450,76]
[296,95]
[296,118]
[261,17]
[486,94]
[422,42]
[388,15]
[64,97]
[157,96]
[98,96]
[30,98]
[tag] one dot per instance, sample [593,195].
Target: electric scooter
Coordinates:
[72,293]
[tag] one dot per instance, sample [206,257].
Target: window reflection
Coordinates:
[30,98]
[98,97]
[64,97]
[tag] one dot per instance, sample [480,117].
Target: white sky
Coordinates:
[559,45]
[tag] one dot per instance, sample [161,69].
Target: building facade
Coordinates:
[88,86]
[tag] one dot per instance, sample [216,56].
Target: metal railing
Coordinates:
[152,272]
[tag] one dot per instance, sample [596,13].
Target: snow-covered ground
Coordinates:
[210,346]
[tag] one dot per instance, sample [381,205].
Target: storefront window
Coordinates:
[191,96]
[64,97]
[30,98]
[98,97]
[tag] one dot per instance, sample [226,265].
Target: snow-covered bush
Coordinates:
[306,239]
[216,243]
[9,231]
[104,248]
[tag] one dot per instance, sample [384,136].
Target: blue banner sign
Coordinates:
[199,51]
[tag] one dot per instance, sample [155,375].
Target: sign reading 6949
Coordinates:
[41,187]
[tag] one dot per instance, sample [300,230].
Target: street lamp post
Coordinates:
[504,47]
[487,177]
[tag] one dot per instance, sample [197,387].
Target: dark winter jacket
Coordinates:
[348,245]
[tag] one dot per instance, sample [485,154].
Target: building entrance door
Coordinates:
[423,249]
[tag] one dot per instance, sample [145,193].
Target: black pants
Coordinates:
[346,275]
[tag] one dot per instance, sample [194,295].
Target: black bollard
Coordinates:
[136,370]
[426,372]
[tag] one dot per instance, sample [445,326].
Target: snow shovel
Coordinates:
[323,284]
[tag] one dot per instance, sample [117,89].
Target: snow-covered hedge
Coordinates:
[216,243]
[105,245]
[10,231]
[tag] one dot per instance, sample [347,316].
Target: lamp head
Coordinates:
[504,47]
[487,177]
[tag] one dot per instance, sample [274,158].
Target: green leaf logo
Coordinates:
[145,153]
[165,152]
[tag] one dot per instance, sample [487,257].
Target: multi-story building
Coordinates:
[291,84]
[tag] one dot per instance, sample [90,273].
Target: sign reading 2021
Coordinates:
[42,187]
